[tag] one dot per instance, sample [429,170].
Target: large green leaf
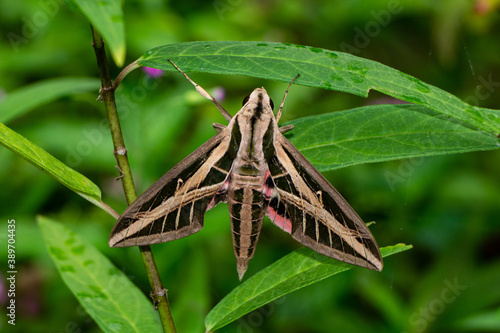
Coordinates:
[383,132]
[52,166]
[107,294]
[107,17]
[487,321]
[29,97]
[296,270]
[317,68]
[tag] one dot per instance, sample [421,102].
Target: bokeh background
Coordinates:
[447,207]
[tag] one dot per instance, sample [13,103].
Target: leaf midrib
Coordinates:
[389,135]
[105,291]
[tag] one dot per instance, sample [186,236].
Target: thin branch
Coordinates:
[120,152]
[124,73]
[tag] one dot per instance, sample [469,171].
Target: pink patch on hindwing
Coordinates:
[216,199]
[281,221]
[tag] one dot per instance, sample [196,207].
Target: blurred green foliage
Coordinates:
[448,207]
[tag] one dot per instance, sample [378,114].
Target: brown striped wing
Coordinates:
[174,206]
[316,215]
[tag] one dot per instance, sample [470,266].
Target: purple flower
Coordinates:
[152,72]
[219,94]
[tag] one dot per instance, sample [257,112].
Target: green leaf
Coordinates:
[294,271]
[378,133]
[73,7]
[34,95]
[52,166]
[488,321]
[107,17]
[317,68]
[192,303]
[384,299]
[107,294]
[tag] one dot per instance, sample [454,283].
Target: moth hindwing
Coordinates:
[250,165]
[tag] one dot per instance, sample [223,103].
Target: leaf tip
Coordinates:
[119,55]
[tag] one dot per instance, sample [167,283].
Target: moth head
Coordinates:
[259,94]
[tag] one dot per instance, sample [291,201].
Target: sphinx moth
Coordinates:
[253,167]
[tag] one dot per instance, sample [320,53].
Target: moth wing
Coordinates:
[307,206]
[174,206]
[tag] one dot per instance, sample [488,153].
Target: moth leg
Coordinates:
[121,173]
[218,127]
[285,129]
[204,93]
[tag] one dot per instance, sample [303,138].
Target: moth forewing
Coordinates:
[162,213]
[250,165]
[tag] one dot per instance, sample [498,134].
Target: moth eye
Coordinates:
[271,103]
[245,100]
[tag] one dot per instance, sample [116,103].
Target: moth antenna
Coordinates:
[204,93]
[278,115]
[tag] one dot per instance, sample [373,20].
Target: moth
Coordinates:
[253,167]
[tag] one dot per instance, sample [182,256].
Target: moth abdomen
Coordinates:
[246,210]
[245,236]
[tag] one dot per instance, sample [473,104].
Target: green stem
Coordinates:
[124,73]
[159,294]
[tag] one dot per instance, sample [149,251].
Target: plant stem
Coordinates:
[159,294]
